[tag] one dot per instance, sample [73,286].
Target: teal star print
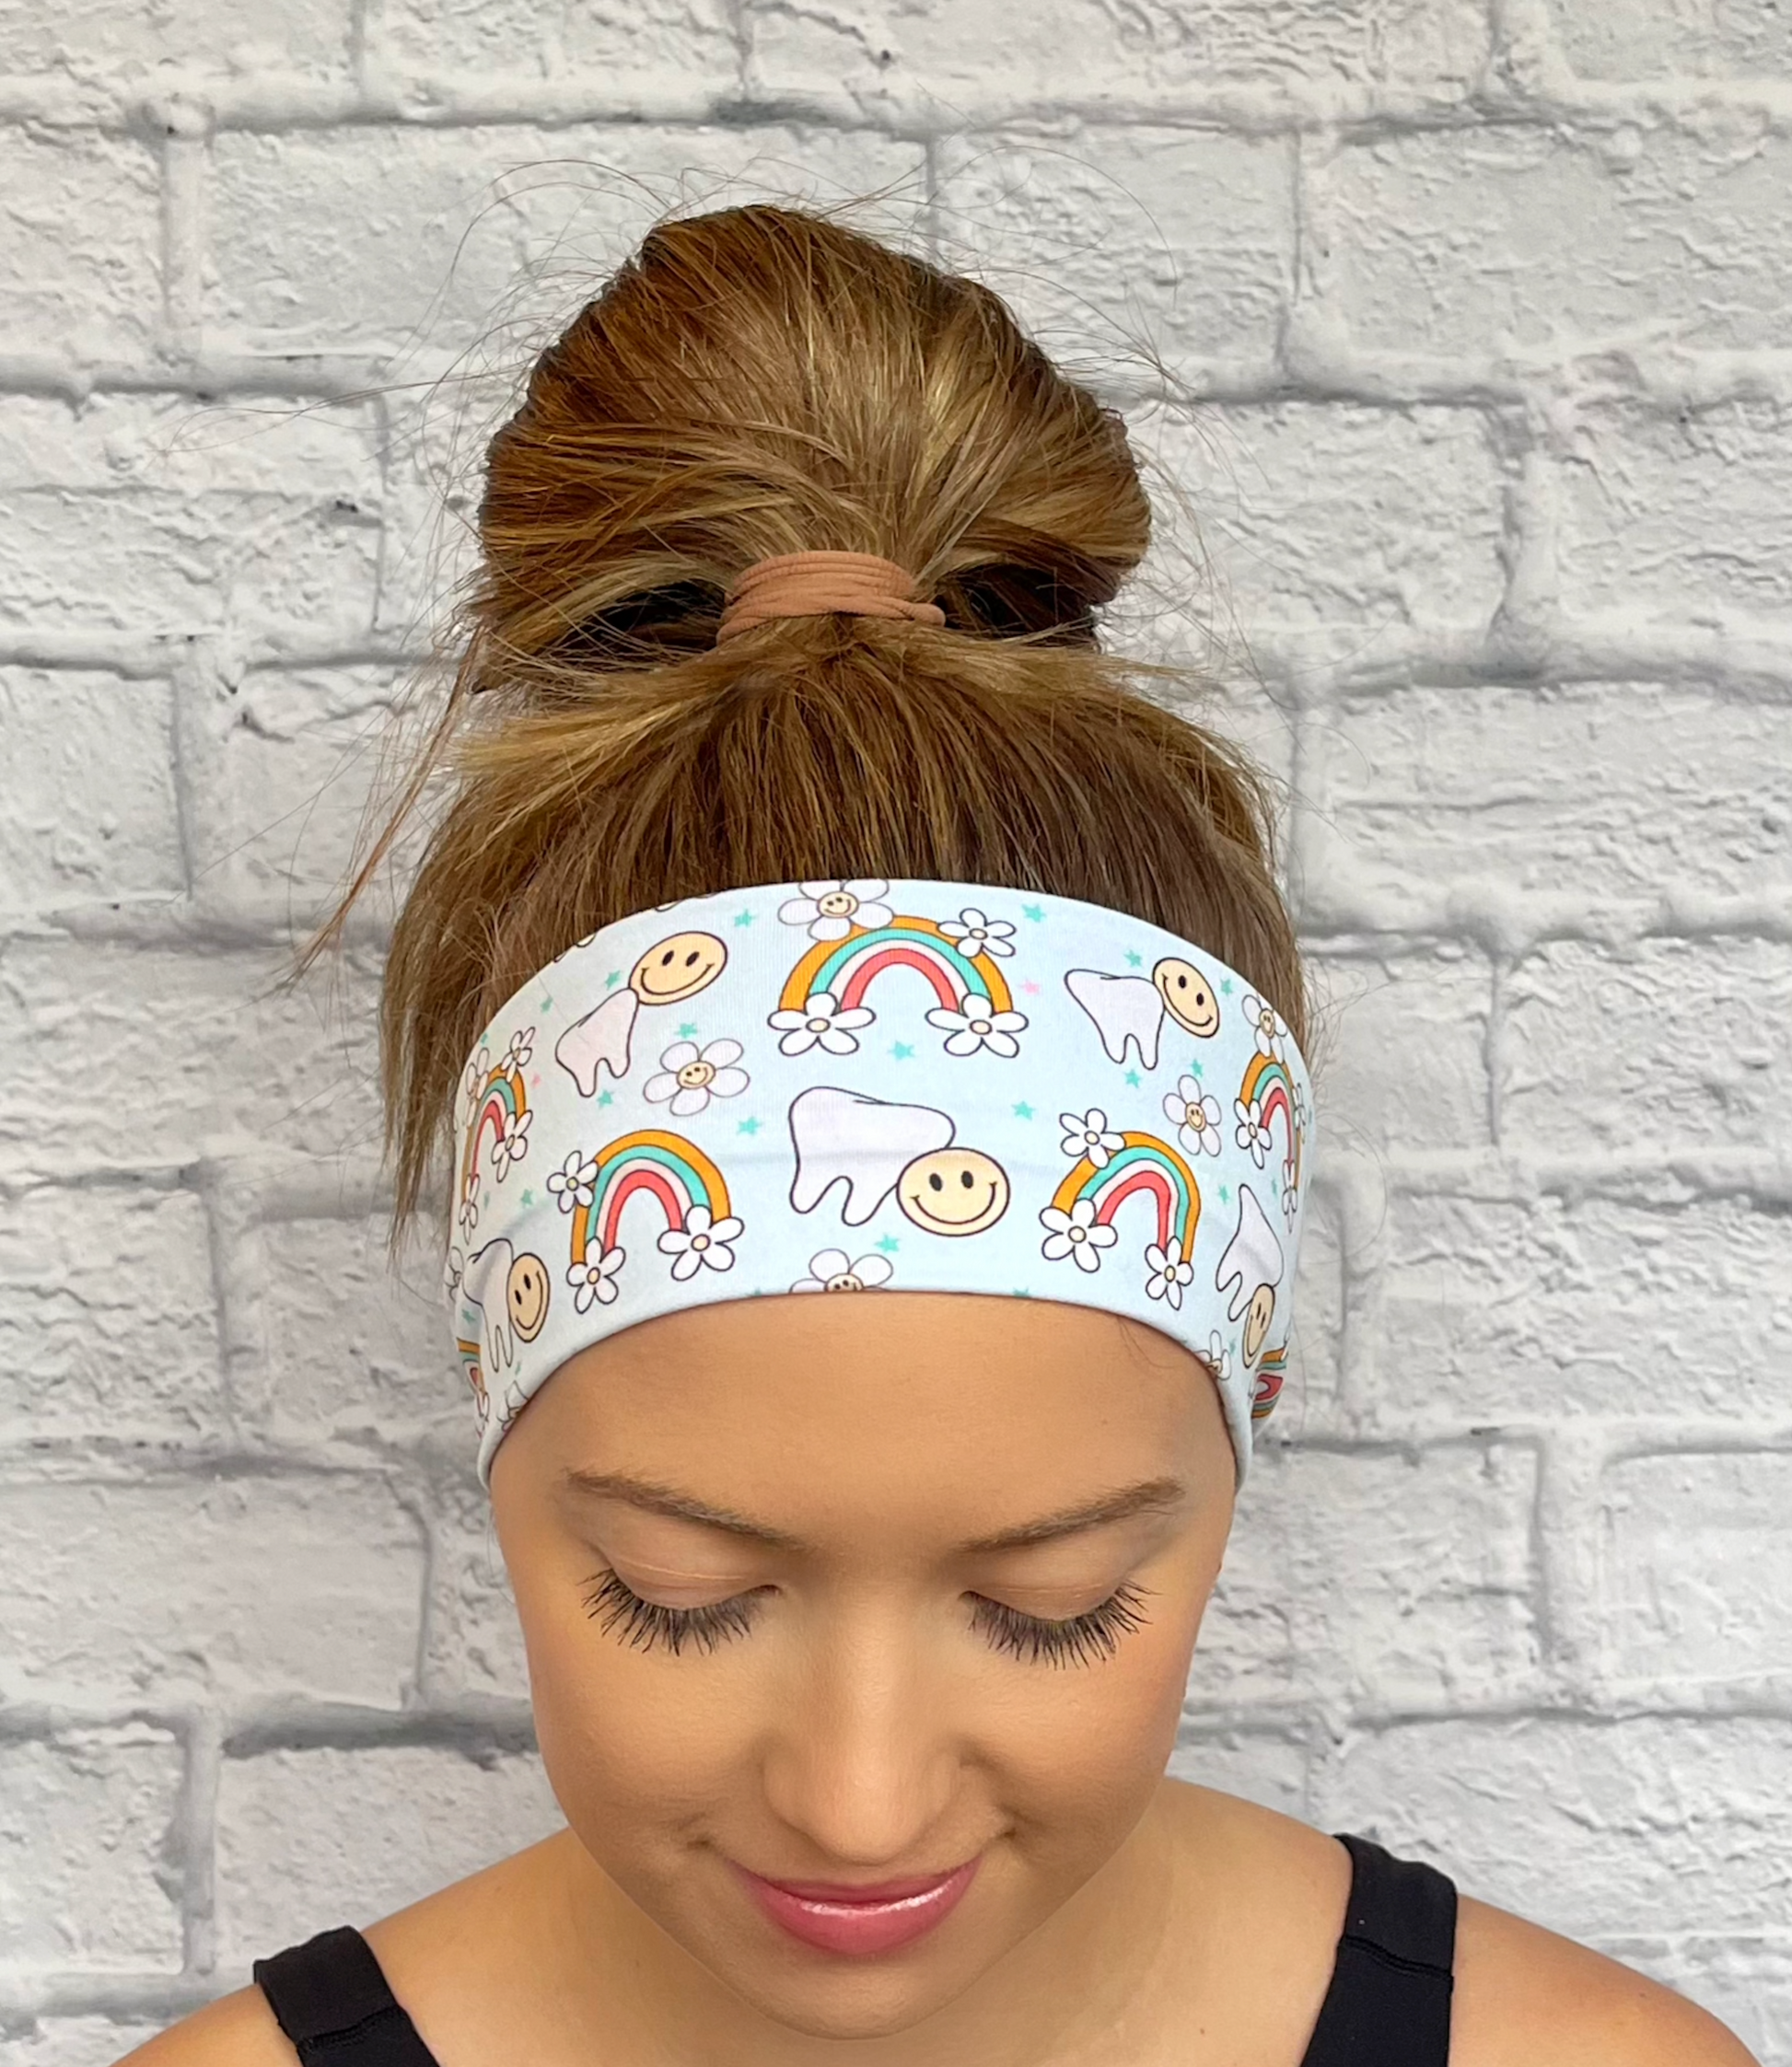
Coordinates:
[903,1051]
[888,1244]
[1032,910]
[1023,1110]
[1194,1066]
[744,918]
[1225,1194]
[610,981]
[748,1127]
[688,1030]
[1133,956]
[1020,1292]
[606,1097]
[546,1005]
[1226,986]
[529,1198]
[1133,1079]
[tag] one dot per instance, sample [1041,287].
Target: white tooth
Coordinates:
[1123,1008]
[598,1040]
[867,1142]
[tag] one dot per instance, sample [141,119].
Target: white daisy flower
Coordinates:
[595,1278]
[1197,1116]
[575,1183]
[820,1019]
[468,1214]
[452,1272]
[831,910]
[701,1243]
[690,1075]
[1219,1356]
[1168,1272]
[474,1078]
[516,1056]
[977,934]
[1272,1029]
[979,1025]
[1251,1132]
[1077,1233]
[512,1145]
[1290,1202]
[1089,1135]
[831,1270]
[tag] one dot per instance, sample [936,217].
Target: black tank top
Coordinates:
[1388,2004]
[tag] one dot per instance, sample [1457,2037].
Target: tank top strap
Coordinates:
[1389,2001]
[331,1999]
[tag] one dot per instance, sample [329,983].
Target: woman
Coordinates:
[819,910]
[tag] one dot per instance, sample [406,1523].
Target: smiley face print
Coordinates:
[670,971]
[954,1191]
[525,1297]
[1188,996]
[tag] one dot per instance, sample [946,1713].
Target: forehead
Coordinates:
[882,1410]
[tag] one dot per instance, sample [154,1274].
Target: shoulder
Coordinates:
[1525,1997]
[238,2030]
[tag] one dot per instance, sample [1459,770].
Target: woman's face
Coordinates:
[855,1592]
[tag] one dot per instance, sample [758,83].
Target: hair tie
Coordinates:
[813,584]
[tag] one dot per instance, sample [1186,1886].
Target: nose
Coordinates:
[864,1762]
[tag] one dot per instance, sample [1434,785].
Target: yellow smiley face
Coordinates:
[1188,996]
[525,1297]
[954,1191]
[677,967]
[1256,1322]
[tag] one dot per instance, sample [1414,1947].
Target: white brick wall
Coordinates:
[1469,358]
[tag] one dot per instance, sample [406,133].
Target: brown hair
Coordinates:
[762,380]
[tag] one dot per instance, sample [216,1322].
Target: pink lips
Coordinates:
[860,1920]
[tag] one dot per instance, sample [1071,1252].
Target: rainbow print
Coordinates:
[502,1097]
[470,1365]
[674,1170]
[1270,1374]
[846,969]
[1266,1085]
[1143,1163]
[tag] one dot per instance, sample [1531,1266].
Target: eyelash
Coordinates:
[1086,1639]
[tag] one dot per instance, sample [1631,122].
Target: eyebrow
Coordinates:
[1148,1496]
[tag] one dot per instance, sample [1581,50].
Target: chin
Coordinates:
[863,1999]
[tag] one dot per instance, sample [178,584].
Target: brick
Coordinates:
[291,763]
[1495,1311]
[1374,1007]
[966,53]
[116,41]
[1438,1611]
[306,1840]
[1658,1824]
[85,1829]
[1677,520]
[81,240]
[1695,1572]
[474,1642]
[1258,1765]
[90,812]
[415,235]
[213,1053]
[152,514]
[630,49]
[1545,241]
[1318,513]
[75,2041]
[390,1368]
[1663,1045]
[108,1317]
[245,1584]
[1062,228]
[1440,792]
[1670,39]
[1310,1397]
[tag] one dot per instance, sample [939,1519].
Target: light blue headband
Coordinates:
[841,1085]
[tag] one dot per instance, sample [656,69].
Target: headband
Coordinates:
[839,1087]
